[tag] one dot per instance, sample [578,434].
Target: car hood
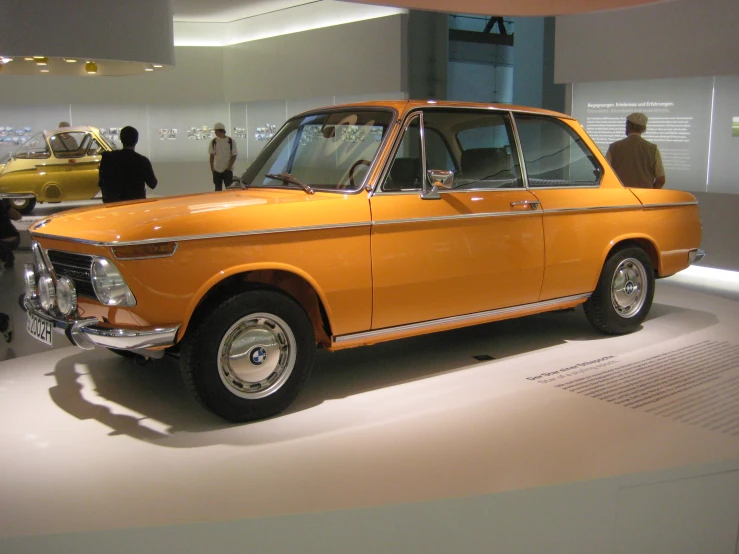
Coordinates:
[200,215]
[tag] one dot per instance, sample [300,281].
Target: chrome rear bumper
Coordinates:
[88,333]
[695,256]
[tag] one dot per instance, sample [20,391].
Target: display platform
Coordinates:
[530,435]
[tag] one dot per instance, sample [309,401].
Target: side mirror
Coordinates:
[236,183]
[438,178]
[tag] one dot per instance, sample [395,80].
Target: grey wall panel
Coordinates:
[354,58]
[196,77]
[682,38]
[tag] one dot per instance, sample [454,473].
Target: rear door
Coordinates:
[584,211]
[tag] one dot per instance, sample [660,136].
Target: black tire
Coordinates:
[23,205]
[250,356]
[624,294]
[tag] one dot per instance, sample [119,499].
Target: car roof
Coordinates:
[403,106]
[77,128]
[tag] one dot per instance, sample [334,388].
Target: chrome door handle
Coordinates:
[524,204]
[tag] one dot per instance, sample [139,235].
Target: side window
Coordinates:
[405,172]
[35,148]
[554,154]
[68,145]
[94,148]
[484,153]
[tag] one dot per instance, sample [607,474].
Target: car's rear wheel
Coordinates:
[250,356]
[23,205]
[623,296]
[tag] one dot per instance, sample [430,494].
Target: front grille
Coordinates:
[76,267]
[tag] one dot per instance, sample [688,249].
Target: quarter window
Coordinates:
[94,148]
[406,170]
[555,156]
[35,148]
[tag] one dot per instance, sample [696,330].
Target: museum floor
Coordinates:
[562,441]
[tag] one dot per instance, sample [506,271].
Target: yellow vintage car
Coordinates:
[54,166]
[358,224]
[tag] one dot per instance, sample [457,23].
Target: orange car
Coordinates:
[358,224]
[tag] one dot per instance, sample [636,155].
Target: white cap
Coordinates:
[219,127]
[637,119]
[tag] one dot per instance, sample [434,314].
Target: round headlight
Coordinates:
[29,277]
[109,285]
[46,292]
[66,295]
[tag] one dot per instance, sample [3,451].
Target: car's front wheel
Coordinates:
[250,356]
[624,293]
[23,205]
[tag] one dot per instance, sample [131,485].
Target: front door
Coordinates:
[72,173]
[478,247]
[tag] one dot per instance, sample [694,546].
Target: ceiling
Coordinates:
[225,11]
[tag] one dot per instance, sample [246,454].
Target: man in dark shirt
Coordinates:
[124,173]
[10,238]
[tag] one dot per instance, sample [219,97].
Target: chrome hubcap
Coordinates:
[256,355]
[19,203]
[628,288]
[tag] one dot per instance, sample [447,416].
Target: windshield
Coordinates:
[327,151]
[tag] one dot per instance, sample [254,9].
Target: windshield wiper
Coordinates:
[288,178]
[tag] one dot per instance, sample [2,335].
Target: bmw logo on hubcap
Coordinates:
[258,356]
[629,287]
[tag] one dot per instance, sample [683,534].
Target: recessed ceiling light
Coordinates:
[70,60]
[28,59]
[41,60]
[91,68]
[44,70]
[157,65]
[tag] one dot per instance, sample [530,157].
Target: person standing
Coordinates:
[223,154]
[636,161]
[10,238]
[124,174]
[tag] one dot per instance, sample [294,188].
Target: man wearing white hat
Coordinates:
[223,153]
[636,161]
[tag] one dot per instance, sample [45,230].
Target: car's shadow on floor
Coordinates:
[151,403]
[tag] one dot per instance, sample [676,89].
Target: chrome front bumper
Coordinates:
[87,333]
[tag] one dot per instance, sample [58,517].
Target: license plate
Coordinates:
[39,328]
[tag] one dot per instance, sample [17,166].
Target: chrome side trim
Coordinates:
[594,209]
[670,205]
[457,217]
[427,325]
[86,333]
[209,236]
[16,195]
